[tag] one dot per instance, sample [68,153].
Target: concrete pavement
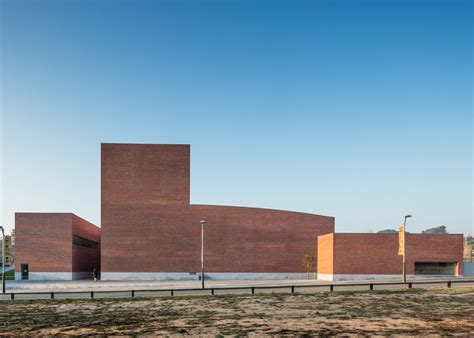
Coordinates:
[89,285]
[123,289]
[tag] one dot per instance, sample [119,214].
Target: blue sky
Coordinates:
[360,110]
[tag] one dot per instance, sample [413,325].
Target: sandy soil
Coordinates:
[401,312]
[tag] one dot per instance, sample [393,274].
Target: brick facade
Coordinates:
[85,259]
[150,228]
[377,254]
[148,224]
[44,241]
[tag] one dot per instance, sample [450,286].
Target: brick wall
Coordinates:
[148,224]
[85,259]
[257,240]
[434,248]
[366,254]
[144,174]
[43,241]
[378,253]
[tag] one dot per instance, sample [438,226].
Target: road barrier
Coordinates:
[215,290]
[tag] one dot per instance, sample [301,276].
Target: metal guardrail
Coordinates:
[251,289]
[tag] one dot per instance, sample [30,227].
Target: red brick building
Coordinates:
[55,246]
[151,231]
[366,256]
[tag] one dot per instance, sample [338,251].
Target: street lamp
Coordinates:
[405,248]
[203,222]
[3,259]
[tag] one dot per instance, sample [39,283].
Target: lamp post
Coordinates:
[3,259]
[405,249]
[203,222]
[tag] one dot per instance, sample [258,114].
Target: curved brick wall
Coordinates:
[148,224]
[236,239]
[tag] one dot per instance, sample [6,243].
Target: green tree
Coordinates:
[309,262]
[387,231]
[469,239]
[436,230]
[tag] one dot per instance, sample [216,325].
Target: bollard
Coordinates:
[212,291]
[331,288]
[371,286]
[133,293]
[52,295]
[12,296]
[92,294]
[292,289]
[253,290]
[409,285]
[449,284]
[172,292]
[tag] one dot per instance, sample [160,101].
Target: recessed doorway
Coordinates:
[24,272]
[435,268]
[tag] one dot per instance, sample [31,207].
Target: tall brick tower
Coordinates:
[151,231]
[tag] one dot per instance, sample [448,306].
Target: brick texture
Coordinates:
[378,253]
[44,242]
[148,224]
[145,174]
[85,259]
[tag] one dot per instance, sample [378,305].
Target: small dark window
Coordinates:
[85,243]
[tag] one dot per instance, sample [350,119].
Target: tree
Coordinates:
[469,239]
[435,230]
[309,262]
[387,231]
[468,247]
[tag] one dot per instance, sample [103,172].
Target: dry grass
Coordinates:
[407,312]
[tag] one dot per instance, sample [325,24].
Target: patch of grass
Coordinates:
[9,275]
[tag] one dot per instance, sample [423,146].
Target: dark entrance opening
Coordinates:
[435,268]
[24,272]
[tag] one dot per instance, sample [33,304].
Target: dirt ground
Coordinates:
[402,312]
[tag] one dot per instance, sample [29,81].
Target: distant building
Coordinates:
[13,246]
[8,250]
[468,248]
